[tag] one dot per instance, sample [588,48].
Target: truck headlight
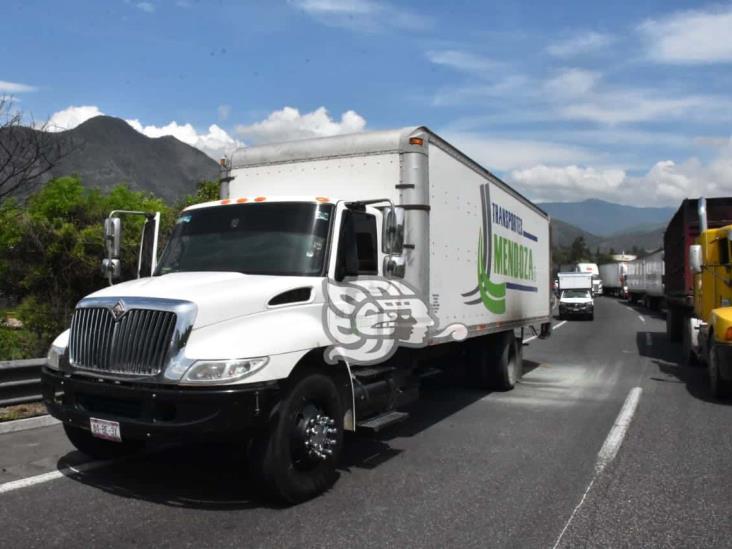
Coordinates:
[55,355]
[222,371]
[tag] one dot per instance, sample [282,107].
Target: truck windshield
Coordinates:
[274,238]
[576,293]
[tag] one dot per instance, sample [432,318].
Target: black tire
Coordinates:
[688,356]
[279,459]
[496,361]
[718,386]
[591,316]
[98,448]
[674,324]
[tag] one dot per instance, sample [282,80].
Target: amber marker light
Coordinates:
[226,201]
[241,200]
[728,334]
[416,141]
[322,199]
[260,199]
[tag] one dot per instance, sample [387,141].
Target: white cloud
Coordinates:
[579,94]
[362,15]
[71,117]
[147,7]
[572,182]
[15,87]
[215,142]
[572,82]
[580,44]
[288,124]
[463,61]
[665,183]
[509,154]
[690,37]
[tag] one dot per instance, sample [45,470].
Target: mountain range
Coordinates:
[607,218]
[106,151]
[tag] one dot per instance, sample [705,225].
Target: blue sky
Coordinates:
[566,100]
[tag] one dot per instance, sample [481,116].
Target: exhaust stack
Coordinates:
[703,226]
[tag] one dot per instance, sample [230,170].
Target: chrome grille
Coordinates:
[137,343]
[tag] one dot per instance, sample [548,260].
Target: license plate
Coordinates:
[103,428]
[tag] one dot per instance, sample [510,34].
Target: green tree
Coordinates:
[51,247]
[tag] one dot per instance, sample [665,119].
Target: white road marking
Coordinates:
[532,338]
[649,341]
[641,317]
[29,423]
[609,449]
[52,475]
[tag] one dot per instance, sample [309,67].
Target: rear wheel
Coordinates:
[295,458]
[718,386]
[98,448]
[496,361]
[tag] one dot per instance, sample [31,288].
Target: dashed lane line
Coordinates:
[609,449]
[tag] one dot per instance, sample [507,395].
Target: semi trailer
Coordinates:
[645,280]
[612,276]
[310,300]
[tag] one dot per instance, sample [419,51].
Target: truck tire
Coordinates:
[674,324]
[718,386]
[295,458]
[98,448]
[688,355]
[495,361]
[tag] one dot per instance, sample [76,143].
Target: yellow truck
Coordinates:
[707,335]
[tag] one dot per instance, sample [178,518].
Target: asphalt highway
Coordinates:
[606,442]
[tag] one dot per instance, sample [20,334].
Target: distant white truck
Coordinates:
[645,280]
[575,295]
[613,278]
[308,301]
[584,267]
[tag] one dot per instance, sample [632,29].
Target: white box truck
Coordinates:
[305,303]
[613,278]
[575,295]
[645,280]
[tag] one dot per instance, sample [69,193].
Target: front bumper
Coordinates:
[576,310]
[159,412]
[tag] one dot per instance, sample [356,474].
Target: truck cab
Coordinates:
[707,335]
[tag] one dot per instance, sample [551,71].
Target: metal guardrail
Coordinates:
[20,381]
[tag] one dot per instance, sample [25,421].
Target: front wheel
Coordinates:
[718,386]
[295,458]
[98,448]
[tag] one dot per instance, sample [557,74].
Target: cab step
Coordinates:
[387,419]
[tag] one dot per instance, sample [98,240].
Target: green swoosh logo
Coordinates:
[493,295]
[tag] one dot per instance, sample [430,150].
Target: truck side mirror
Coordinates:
[111,267]
[112,236]
[695,258]
[394,266]
[393,231]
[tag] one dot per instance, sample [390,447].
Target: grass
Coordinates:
[22,411]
